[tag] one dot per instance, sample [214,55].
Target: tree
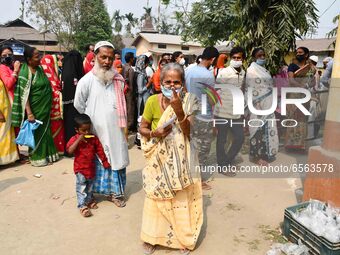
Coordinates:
[117,42]
[57,16]
[334,31]
[166,26]
[116,21]
[272,24]
[181,15]
[22,9]
[147,15]
[94,23]
[132,23]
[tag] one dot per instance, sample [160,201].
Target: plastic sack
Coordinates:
[26,134]
[289,249]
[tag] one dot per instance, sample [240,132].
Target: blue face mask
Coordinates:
[168,92]
[261,62]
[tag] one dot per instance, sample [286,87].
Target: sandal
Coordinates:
[85,211]
[118,201]
[184,251]
[148,248]
[92,205]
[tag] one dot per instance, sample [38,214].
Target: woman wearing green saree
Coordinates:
[32,101]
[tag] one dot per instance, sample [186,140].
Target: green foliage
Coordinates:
[116,21]
[94,24]
[208,22]
[132,23]
[334,31]
[271,24]
[57,16]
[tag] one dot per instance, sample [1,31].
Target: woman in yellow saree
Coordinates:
[173,213]
[8,151]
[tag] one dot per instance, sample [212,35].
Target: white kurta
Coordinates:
[98,101]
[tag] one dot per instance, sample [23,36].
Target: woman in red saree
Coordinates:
[48,63]
[88,62]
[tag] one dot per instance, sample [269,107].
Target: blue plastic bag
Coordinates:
[26,134]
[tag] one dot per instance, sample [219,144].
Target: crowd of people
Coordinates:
[88,106]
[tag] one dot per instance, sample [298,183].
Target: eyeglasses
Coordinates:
[176,84]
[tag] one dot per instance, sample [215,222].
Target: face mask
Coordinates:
[300,58]
[235,64]
[182,62]
[261,62]
[168,92]
[7,60]
[151,63]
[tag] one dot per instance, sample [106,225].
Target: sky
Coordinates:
[136,7]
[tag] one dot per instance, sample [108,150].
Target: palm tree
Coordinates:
[147,15]
[132,23]
[333,32]
[116,21]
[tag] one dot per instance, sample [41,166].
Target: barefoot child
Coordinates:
[85,147]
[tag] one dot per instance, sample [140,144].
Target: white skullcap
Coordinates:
[314,58]
[148,54]
[327,59]
[102,44]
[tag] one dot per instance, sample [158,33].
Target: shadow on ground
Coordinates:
[4,184]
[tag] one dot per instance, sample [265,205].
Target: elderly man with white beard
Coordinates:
[99,94]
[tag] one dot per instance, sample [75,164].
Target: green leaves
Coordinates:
[94,24]
[272,24]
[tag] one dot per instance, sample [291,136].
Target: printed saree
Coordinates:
[36,89]
[8,152]
[173,213]
[264,141]
[57,125]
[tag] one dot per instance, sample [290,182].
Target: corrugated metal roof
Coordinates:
[25,34]
[163,38]
[50,48]
[317,45]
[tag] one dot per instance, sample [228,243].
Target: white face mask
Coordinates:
[235,64]
[182,62]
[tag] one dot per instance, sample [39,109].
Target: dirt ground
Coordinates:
[39,215]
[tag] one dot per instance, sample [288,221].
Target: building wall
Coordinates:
[142,47]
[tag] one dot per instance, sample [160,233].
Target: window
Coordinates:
[162,46]
[185,47]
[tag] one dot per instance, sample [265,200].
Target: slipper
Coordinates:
[92,205]
[148,249]
[85,211]
[118,201]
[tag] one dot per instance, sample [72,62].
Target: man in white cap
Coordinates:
[99,94]
[327,74]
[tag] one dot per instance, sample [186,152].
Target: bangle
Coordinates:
[151,134]
[14,74]
[30,115]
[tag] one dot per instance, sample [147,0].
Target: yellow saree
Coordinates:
[8,151]
[173,213]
